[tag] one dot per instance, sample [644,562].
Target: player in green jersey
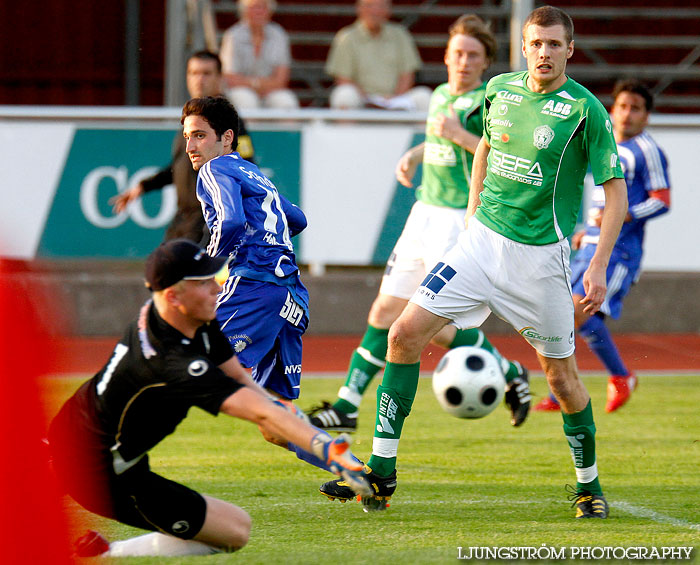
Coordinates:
[453,130]
[541,131]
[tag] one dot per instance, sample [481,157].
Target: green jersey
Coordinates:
[541,146]
[446,165]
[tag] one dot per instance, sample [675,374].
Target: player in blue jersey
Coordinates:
[263,305]
[646,175]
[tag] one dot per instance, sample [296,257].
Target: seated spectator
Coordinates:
[374,62]
[255,56]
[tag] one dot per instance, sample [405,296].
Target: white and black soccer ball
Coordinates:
[468,382]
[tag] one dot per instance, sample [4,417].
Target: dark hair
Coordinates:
[548,16]
[635,87]
[206,56]
[474,26]
[217,111]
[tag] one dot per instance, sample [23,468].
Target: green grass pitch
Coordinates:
[460,482]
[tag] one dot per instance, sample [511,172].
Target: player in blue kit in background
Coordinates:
[648,192]
[263,305]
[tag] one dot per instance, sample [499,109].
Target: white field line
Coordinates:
[641,512]
[625,507]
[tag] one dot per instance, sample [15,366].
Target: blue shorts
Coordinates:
[622,273]
[264,323]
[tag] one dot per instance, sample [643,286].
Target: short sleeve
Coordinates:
[485,117]
[205,385]
[219,347]
[600,145]
[475,122]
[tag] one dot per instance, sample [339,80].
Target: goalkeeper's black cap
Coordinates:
[177,260]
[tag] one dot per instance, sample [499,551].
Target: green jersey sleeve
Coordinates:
[600,145]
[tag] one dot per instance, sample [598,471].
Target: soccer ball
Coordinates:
[468,382]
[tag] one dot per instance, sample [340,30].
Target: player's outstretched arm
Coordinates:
[407,165]
[594,279]
[275,421]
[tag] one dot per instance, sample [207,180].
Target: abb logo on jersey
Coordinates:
[558,109]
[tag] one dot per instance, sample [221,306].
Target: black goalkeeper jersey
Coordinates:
[155,375]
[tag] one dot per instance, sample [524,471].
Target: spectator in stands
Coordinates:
[374,62]
[256,58]
[203,79]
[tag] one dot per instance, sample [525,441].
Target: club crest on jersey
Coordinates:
[543,136]
[198,367]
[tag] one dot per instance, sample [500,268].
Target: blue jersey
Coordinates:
[249,220]
[646,171]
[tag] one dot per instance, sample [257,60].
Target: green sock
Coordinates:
[579,430]
[367,360]
[394,400]
[477,338]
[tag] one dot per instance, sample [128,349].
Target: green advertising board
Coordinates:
[103,162]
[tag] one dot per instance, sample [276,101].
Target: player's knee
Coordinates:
[382,314]
[345,97]
[239,533]
[406,341]
[560,380]
[243,97]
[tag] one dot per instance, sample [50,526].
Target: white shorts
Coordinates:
[528,286]
[429,232]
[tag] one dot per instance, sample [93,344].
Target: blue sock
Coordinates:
[596,335]
[310,457]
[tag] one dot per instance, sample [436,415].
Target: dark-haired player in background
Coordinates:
[648,192]
[204,78]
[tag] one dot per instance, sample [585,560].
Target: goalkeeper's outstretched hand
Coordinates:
[340,460]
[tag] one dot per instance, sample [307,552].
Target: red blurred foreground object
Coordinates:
[33,528]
